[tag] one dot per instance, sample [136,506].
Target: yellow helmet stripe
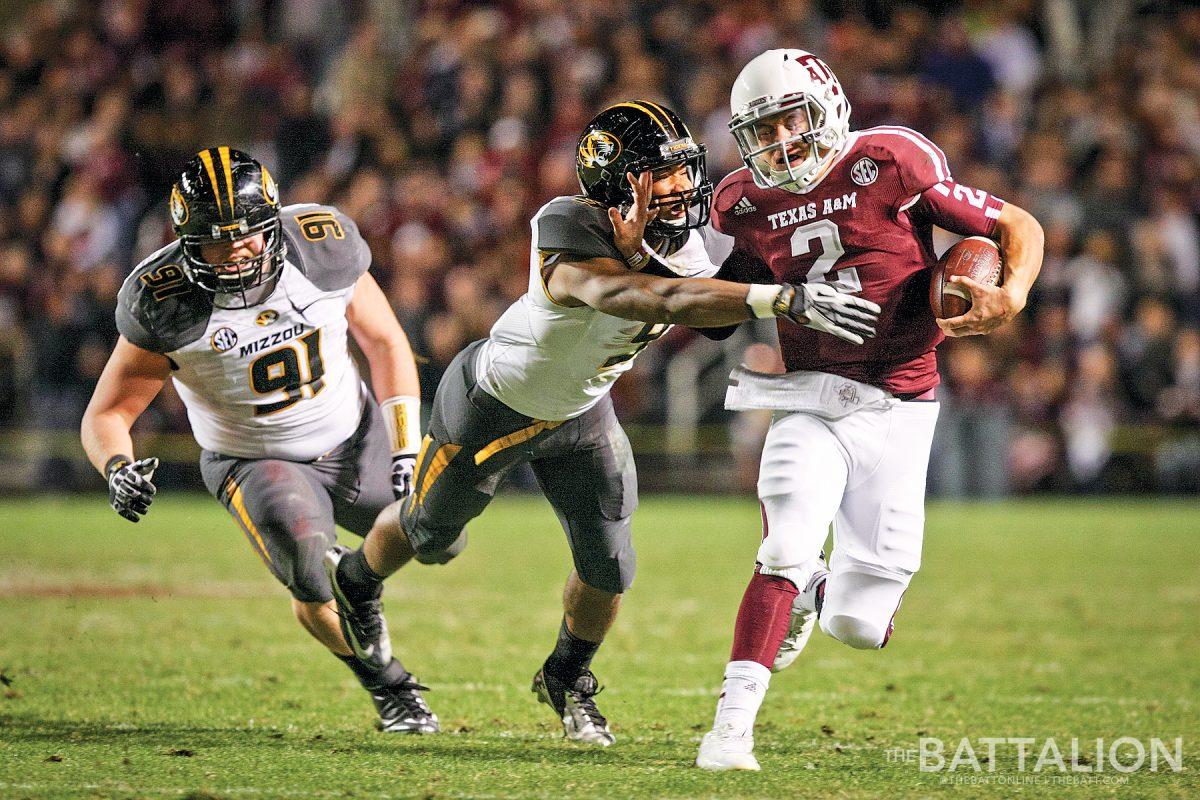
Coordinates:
[644,110]
[206,157]
[228,165]
[665,116]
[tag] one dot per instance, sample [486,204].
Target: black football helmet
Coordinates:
[224,195]
[635,136]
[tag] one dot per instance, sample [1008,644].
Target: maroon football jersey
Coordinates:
[865,228]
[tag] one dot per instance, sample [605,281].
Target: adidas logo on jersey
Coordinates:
[743,206]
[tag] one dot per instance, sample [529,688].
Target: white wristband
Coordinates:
[761,299]
[402,418]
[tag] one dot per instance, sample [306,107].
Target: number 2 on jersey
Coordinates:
[825,233]
[279,370]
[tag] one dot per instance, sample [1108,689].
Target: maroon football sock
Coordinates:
[762,619]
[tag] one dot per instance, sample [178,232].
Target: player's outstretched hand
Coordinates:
[821,307]
[130,491]
[991,307]
[630,229]
[403,468]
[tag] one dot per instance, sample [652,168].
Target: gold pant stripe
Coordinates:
[437,465]
[239,509]
[228,165]
[206,157]
[424,451]
[513,439]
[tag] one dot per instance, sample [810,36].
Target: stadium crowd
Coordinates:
[442,126]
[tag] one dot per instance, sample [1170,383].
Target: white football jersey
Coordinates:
[274,380]
[554,362]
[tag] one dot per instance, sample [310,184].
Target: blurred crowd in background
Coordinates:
[442,126]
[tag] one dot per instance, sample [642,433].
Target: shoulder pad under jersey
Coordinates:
[575,226]
[325,245]
[918,162]
[158,308]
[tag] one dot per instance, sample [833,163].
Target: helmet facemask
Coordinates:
[696,201]
[768,157]
[243,282]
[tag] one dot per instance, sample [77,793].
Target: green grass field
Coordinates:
[161,660]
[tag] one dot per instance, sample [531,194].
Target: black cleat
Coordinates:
[402,709]
[582,721]
[362,623]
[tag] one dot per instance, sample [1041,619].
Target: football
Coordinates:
[976,257]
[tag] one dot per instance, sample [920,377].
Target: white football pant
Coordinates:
[865,474]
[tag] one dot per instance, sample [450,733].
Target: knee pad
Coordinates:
[860,606]
[427,555]
[308,582]
[858,633]
[613,574]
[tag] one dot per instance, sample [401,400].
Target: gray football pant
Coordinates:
[584,467]
[288,509]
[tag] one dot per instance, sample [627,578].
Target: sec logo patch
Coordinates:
[864,172]
[223,339]
[266,317]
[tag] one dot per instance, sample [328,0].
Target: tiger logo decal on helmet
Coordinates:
[599,149]
[179,207]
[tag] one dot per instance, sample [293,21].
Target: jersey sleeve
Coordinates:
[158,308]
[325,245]
[574,228]
[131,322]
[958,208]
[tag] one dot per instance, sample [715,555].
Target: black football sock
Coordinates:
[571,655]
[390,675]
[356,578]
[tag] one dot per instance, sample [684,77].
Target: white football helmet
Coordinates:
[775,83]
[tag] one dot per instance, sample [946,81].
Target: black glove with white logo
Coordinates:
[823,308]
[403,467]
[130,491]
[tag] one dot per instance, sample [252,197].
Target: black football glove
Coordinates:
[821,307]
[130,491]
[403,467]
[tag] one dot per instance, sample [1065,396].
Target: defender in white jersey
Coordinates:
[249,313]
[602,286]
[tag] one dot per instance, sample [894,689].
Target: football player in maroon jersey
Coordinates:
[829,208]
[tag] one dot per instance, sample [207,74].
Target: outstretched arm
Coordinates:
[609,286]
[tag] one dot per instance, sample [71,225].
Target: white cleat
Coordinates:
[805,610]
[724,749]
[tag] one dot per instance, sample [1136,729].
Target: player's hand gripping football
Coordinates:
[403,468]
[823,308]
[629,229]
[991,307]
[130,491]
